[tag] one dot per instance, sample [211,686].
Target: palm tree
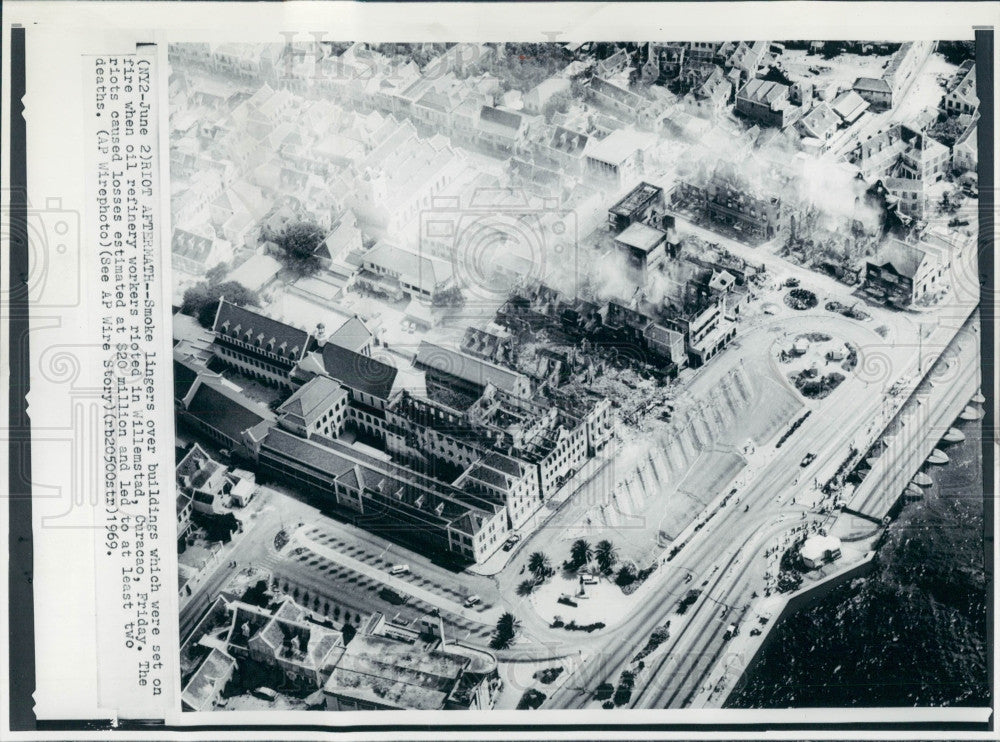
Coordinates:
[580,552]
[507,627]
[508,624]
[606,555]
[538,565]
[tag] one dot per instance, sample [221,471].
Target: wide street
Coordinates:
[727,551]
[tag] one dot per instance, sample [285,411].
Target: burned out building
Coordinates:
[729,203]
[699,316]
[900,273]
[611,329]
[637,205]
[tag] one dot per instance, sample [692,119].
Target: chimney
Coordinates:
[320,334]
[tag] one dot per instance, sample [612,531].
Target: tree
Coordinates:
[256,595]
[216,273]
[298,245]
[538,565]
[626,575]
[957,52]
[606,555]
[201,300]
[580,553]
[348,633]
[451,297]
[507,628]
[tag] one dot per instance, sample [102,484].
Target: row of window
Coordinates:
[251,361]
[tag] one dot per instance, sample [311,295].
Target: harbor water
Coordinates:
[913,632]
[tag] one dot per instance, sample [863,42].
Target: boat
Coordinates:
[937,457]
[922,479]
[913,492]
[978,398]
[971,413]
[954,435]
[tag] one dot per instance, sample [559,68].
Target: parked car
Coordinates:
[731,631]
[511,541]
[399,569]
[472,600]
[809,458]
[391,596]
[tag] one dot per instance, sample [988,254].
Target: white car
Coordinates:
[400,569]
[472,600]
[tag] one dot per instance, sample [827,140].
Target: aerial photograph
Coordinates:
[578,375]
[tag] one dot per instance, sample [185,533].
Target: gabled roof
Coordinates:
[268,334]
[872,84]
[255,272]
[499,120]
[353,335]
[313,398]
[721,280]
[225,410]
[359,372]
[820,122]
[197,468]
[191,246]
[567,140]
[418,270]
[849,105]
[765,92]
[207,683]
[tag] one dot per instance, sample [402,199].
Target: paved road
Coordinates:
[247,549]
[734,535]
[770,489]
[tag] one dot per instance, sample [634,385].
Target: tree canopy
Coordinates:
[607,555]
[298,245]
[538,565]
[580,552]
[507,627]
[201,300]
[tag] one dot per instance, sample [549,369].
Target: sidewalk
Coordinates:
[488,617]
[533,526]
[743,648]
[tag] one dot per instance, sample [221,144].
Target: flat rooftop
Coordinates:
[635,199]
[641,237]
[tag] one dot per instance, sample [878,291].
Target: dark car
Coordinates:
[391,596]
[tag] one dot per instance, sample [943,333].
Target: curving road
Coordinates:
[728,548]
